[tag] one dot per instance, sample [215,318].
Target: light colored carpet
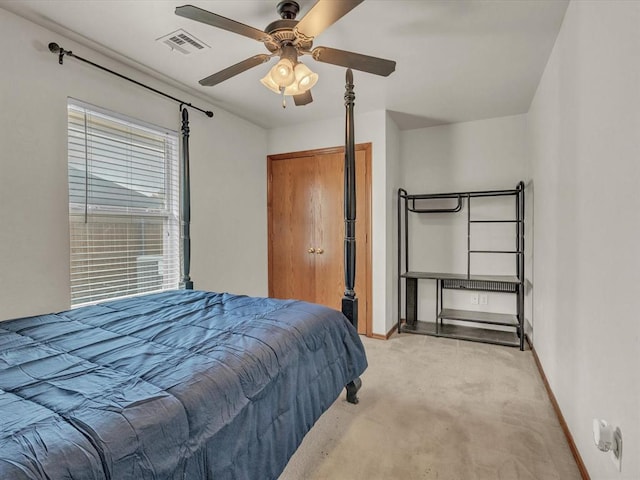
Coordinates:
[435,408]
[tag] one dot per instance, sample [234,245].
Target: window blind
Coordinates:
[123,206]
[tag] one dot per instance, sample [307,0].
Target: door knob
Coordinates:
[319,251]
[312,250]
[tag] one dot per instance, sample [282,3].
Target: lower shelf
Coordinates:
[480,317]
[461,332]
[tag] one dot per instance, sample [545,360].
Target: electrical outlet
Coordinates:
[474,299]
[484,299]
[608,440]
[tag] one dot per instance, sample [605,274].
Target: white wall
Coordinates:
[369,127]
[584,133]
[480,155]
[229,250]
[393,183]
[229,205]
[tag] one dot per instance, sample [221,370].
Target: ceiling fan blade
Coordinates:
[324,14]
[357,61]
[234,70]
[203,16]
[303,99]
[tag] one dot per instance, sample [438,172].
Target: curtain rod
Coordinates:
[55,48]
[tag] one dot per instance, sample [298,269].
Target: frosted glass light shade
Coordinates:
[305,78]
[282,73]
[268,82]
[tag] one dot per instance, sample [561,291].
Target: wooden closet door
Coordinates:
[330,230]
[306,211]
[330,233]
[292,229]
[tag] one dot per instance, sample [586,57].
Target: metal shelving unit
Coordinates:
[480,329]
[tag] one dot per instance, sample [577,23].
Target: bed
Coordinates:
[182,384]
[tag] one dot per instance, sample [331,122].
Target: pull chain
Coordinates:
[284,100]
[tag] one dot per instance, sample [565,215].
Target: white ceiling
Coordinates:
[457,60]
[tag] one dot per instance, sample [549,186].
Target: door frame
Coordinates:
[367,253]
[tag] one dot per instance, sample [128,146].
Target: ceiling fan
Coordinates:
[289,39]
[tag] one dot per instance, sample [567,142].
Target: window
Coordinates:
[123,206]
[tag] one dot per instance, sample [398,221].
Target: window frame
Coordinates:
[169,212]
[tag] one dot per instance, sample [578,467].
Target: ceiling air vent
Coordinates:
[183,42]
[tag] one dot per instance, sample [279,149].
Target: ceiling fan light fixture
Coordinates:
[304,79]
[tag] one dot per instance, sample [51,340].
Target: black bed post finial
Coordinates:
[186,282]
[349,301]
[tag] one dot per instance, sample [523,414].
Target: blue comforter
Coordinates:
[176,385]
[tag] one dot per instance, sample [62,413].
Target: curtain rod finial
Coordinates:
[55,48]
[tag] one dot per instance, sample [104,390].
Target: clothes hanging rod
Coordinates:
[55,48]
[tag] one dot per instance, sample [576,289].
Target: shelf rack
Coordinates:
[513,284]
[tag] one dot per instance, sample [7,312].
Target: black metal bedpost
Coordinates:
[185,219]
[349,301]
